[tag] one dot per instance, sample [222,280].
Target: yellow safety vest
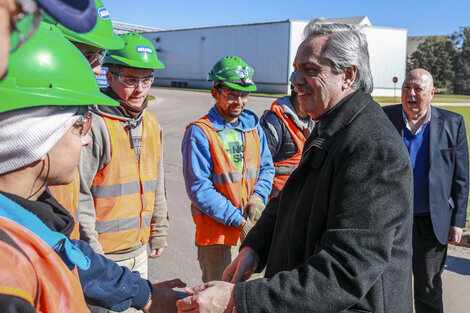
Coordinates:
[124,190]
[67,196]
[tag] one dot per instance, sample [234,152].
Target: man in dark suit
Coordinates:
[338,236]
[437,144]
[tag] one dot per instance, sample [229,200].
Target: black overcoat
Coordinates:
[338,237]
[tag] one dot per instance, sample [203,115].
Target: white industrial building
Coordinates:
[270,49]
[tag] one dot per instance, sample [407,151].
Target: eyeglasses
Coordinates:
[130,81]
[232,94]
[84,123]
[23,27]
[94,57]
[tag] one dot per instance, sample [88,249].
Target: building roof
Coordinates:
[123,28]
[413,42]
[359,20]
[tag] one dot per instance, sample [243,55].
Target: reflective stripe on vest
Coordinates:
[284,169]
[124,190]
[67,196]
[227,180]
[123,224]
[234,176]
[119,190]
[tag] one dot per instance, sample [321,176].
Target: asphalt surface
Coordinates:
[175,109]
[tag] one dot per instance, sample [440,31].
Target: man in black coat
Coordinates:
[338,237]
[437,144]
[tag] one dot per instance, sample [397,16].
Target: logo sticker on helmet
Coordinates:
[144,49]
[241,72]
[103,13]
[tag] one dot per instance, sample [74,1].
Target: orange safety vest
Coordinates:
[67,196]
[124,190]
[35,273]
[284,169]
[227,180]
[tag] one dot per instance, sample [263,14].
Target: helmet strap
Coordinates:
[242,81]
[45,180]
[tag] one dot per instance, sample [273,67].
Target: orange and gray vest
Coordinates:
[67,196]
[284,169]
[124,190]
[227,179]
[38,276]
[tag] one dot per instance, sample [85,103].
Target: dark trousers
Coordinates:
[96,309]
[429,257]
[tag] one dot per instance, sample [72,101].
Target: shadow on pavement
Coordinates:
[458,265]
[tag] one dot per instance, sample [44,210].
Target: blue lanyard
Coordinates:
[69,253]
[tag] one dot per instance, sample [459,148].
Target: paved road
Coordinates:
[175,110]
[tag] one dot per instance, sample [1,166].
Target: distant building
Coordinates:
[270,48]
[123,28]
[414,42]
[359,20]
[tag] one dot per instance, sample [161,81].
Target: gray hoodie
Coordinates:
[94,158]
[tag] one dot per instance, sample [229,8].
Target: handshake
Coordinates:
[211,297]
[219,296]
[164,298]
[252,212]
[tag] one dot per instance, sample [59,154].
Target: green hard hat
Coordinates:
[138,52]
[101,36]
[49,70]
[234,73]
[22,30]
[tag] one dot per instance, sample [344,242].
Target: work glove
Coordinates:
[254,207]
[243,231]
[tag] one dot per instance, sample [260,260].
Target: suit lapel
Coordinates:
[397,119]
[435,130]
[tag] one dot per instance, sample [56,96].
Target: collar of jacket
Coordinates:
[289,110]
[38,217]
[48,210]
[396,117]
[339,118]
[119,112]
[248,120]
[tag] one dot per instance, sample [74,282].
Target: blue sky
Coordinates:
[420,17]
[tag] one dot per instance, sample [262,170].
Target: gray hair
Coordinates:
[346,47]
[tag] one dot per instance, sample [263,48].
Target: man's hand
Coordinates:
[244,229]
[242,267]
[455,235]
[163,297]
[212,297]
[156,253]
[254,207]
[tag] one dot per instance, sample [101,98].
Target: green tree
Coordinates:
[436,55]
[462,61]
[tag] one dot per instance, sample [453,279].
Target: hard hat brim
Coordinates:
[115,59]
[250,88]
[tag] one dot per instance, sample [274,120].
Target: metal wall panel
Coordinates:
[190,54]
[270,48]
[387,52]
